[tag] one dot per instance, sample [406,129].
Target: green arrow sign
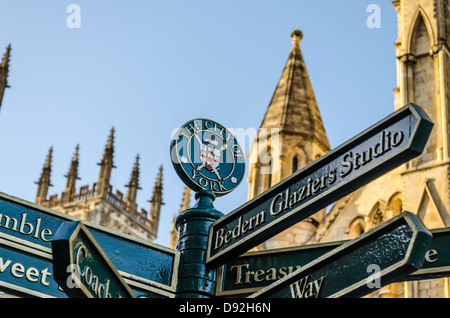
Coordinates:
[91,273]
[27,271]
[382,147]
[143,264]
[437,259]
[252,271]
[376,258]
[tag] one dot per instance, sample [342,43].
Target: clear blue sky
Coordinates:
[147,67]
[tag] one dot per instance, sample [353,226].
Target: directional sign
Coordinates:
[27,271]
[437,258]
[382,147]
[152,267]
[252,271]
[81,267]
[376,258]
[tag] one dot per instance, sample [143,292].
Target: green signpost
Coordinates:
[26,271]
[44,253]
[376,258]
[382,147]
[246,274]
[81,267]
[149,269]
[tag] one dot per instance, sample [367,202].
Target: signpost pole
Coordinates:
[195,279]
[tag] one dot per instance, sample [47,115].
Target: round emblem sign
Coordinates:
[207,156]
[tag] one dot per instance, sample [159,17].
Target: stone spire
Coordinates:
[156,202]
[185,204]
[133,186]
[44,181]
[4,69]
[291,136]
[72,175]
[293,108]
[106,165]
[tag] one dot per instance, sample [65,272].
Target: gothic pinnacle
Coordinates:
[44,181]
[5,60]
[72,175]
[48,161]
[157,189]
[106,164]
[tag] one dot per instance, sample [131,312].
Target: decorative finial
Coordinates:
[75,155]
[296,36]
[48,161]
[110,143]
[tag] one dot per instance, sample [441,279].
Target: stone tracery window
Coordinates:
[376,215]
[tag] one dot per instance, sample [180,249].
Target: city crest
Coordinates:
[207,156]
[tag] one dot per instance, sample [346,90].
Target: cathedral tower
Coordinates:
[291,136]
[423,67]
[423,76]
[99,204]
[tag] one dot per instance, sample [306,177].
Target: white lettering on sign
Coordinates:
[305,288]
[245,276]
[25,227]
[322,180]
[31,274]
[89,278]
[353,161]
[285,200]
[431,256]
[239,229]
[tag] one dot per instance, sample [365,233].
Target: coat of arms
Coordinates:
[210,155]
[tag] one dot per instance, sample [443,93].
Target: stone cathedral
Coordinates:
[99,203]
[292,135]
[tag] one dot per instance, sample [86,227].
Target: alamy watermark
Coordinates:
[74,279]
[374,280]
[374,19]
[73,20]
